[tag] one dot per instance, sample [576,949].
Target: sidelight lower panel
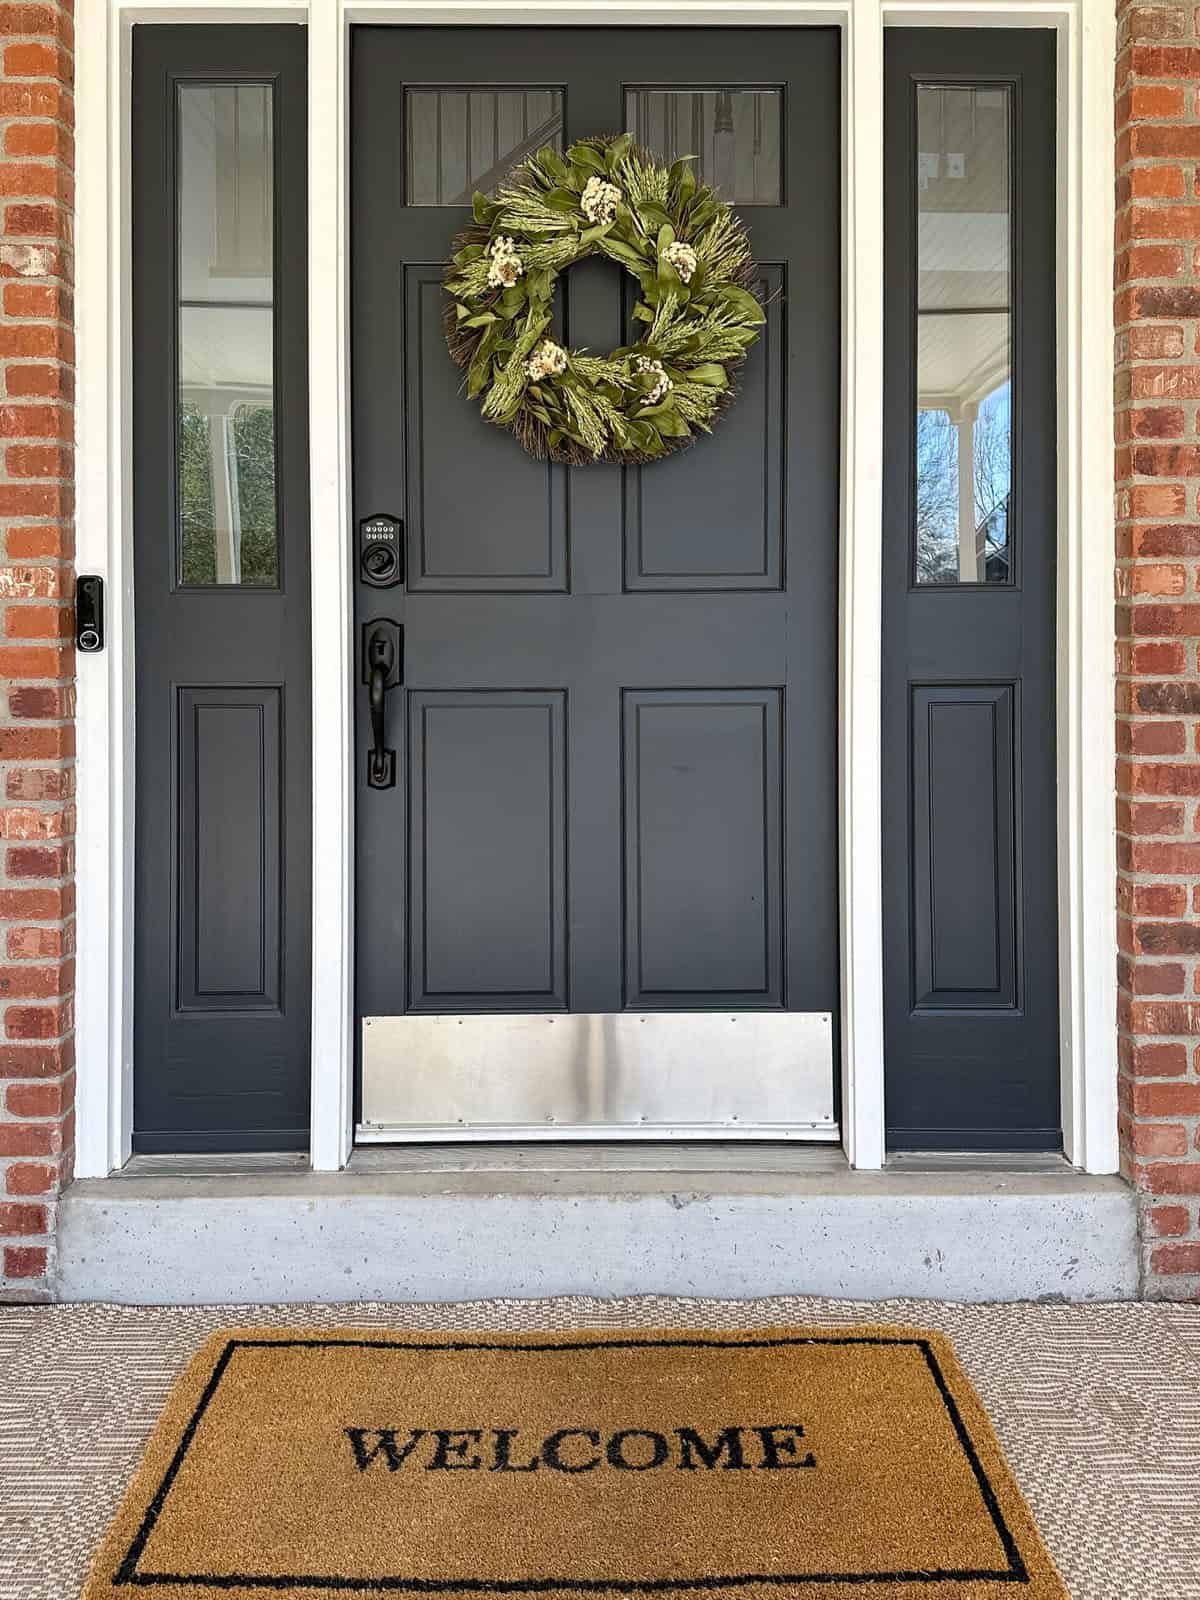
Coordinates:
[604,1075]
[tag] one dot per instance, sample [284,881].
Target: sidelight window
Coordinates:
[964,401]
[225,453]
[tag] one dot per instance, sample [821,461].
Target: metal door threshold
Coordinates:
[670,1159]
[597,1158]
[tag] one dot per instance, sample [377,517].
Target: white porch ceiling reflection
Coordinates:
[961,359]
[225,188]
[225,355]
[963,258]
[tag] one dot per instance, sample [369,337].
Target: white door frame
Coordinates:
[1086,834]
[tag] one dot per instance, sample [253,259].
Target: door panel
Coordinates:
[702,784]
[964,825]
[970,947]
[230,899]
[223,867]
[454,535]
[488,851]
[617,792]
[691,522]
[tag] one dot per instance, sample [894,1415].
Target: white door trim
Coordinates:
[1087,862]
[332,600]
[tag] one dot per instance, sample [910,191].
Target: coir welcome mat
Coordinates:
[819,1462]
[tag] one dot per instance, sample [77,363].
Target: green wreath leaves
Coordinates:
[691,258]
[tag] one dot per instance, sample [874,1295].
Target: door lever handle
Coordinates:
[380,655]
[382,644]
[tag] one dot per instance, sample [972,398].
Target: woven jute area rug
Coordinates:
[806,1460]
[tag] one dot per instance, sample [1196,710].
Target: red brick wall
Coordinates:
[37,819]
[1158,628]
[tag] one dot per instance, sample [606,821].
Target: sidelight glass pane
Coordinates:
[461,138]
[736,136]
[964,425]
[226,417]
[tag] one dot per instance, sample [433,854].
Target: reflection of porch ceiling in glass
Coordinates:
[225,355]
[960,358]
[225,264]
[963,245]
[225,187]
[963,258]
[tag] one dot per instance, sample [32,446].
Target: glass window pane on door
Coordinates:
[460,138]
[734,134]
[964,335]
[227,529]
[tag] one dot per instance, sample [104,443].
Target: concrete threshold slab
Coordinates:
[445,1231]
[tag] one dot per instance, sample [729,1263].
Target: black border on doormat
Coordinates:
[1015,1572]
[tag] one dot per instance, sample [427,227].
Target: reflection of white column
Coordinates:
[724,178]
[969,563]
[227,519]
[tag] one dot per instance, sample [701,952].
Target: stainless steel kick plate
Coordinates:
[610,1075]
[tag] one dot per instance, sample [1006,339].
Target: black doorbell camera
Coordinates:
[89,613]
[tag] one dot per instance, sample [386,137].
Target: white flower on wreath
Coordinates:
[683,258]
[547,361]
[663,384]
[505,266]
[600,200]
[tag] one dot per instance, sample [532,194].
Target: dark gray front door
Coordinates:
[602,893]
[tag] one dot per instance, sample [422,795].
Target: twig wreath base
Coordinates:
[691,258]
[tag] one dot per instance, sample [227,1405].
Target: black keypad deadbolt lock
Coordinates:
[382,669]
[381,551]
[89,613]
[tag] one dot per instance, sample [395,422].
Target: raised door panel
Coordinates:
[230,902]
[483,515]
[964,847]
[702,796]
[488,850]
[711,517]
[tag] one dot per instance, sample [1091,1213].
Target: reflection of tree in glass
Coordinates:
[254,452]
[993,479]
[198,549]
[937,498]
[254,445]
[937,489]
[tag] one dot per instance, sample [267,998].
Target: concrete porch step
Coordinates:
[531,1221]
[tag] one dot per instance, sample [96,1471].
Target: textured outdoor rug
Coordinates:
[853,1461]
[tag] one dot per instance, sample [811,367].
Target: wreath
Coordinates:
[691,258]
